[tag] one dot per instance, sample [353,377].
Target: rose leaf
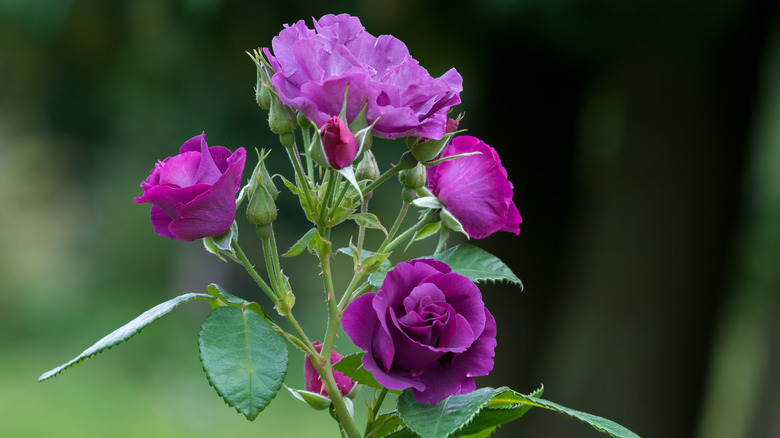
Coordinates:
[125,332]
[244,358]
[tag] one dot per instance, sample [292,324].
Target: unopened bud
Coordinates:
[367,168]
[261,209]
[280,119]
[413,178]
[338,143]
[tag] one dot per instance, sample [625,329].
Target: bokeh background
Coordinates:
[643,139]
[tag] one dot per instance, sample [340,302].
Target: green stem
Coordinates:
[252,272]
[428,218]
[375,407]
[306,146]
[295,159]
[326,370]
[332,181]
[394,229]
[269,266]
[382,178]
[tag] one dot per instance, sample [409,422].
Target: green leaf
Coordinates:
[368,220]
[352,367]
[244,358]
[227,298]
[301,244]
[501,409]
[376,279]
[444,418]
[477,264]
[601,424]
[125,332]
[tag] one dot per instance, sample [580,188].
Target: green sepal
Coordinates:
[311,399]
[245,360]
[301,244]
[431,202]
[320,246]
[449,221]
[125,332]
[424,233]
[444,418]
[222,243]
[451,157]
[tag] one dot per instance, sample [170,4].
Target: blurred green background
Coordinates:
[643,140]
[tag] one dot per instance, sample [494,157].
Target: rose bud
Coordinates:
[426,328]
[261,209]
[413,178]
[338,143]
[193,193]
[474,189]
[313,381]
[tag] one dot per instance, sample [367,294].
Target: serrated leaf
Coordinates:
[244,358]
[125,332]
[368,220]
[608,427]
[352,367]
[385,264]
[477,264]
[501,409]
[444,418]
[301,244]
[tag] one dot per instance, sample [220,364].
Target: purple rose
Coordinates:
[312,380]
[475,189]
[314,67]
[426,328]
[193,193]
[338,142]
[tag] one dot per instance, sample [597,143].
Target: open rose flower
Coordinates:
[314,67]
[312,380]
[193,193]
[426,329]
[475,189]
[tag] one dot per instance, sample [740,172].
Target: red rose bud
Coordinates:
[339,143]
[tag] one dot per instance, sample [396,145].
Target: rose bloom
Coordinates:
[193,193]
[426,328]
[314,67]
[475,189]
[312,380]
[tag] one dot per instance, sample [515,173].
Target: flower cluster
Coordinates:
[421,325]
[426,328]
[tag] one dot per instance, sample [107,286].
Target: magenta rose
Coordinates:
[193,193]
[426,328]
[314,67]
[312,380]
[475,189]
